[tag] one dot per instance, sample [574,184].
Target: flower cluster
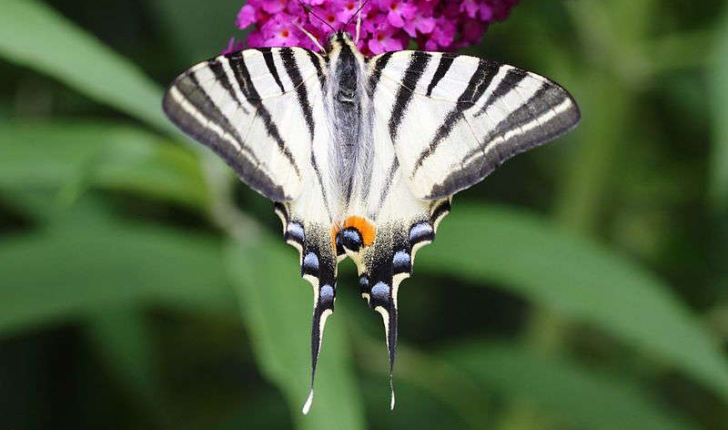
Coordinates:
[386,25]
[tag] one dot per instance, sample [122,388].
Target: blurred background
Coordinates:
[581,286]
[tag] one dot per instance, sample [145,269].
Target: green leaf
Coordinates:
[277,305]
[123,341]
[719,90]
[196,36]
[431,374]
[70,156]
[566,391]
[578,279]
[34,35]
[71,272]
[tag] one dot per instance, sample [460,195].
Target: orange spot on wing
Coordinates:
[366,228]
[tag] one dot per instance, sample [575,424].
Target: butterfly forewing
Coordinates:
[247,108]
[469,114]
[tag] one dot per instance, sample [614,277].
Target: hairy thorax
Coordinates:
[349,104]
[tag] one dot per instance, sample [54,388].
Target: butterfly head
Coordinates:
[341,39]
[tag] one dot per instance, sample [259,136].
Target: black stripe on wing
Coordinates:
[222,77]
[251,93]
[548,114]
[316,60]
[294,73]
[405,93]
[443,66]
[479,82]
[268,57]
[376,74]
[511,80]
[220,111]
[189,106]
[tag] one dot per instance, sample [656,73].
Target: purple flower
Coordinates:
[384,39]
[442,35]
[398,11]
[347,11]
[233,46]
[419,24]
[273,6]
[246,16]
[387,25]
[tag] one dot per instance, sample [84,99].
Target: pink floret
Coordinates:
[387,25]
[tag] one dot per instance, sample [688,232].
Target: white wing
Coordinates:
[454,118]
[262,110]
[441,123]
[257,109]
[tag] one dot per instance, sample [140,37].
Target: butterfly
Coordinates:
[362,155]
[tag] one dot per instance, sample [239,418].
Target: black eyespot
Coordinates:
[339,247]
[351,239]
[364,284]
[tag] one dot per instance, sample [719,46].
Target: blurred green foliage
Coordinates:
[583,285]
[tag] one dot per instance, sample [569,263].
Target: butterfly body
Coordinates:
[348,112]
[362,155]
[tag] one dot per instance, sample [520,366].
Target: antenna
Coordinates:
[358,19]
[310,36]
[309,9]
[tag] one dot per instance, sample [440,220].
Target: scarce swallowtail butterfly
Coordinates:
[362,155]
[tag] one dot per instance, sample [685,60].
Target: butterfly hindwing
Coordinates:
[469,114]
[440,123]
[318,258]
[386,257]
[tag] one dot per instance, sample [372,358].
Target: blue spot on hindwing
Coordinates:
[310,264]
[295,231]
[326,295]
[380,291]
[421,232]
[364,283]
[401,262]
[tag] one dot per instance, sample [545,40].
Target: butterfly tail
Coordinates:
[323,308]
[388,260]
[383,300]
[318,266]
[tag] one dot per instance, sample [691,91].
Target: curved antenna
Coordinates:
[357,14]
[309,9]
[310,36]
[358,24]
